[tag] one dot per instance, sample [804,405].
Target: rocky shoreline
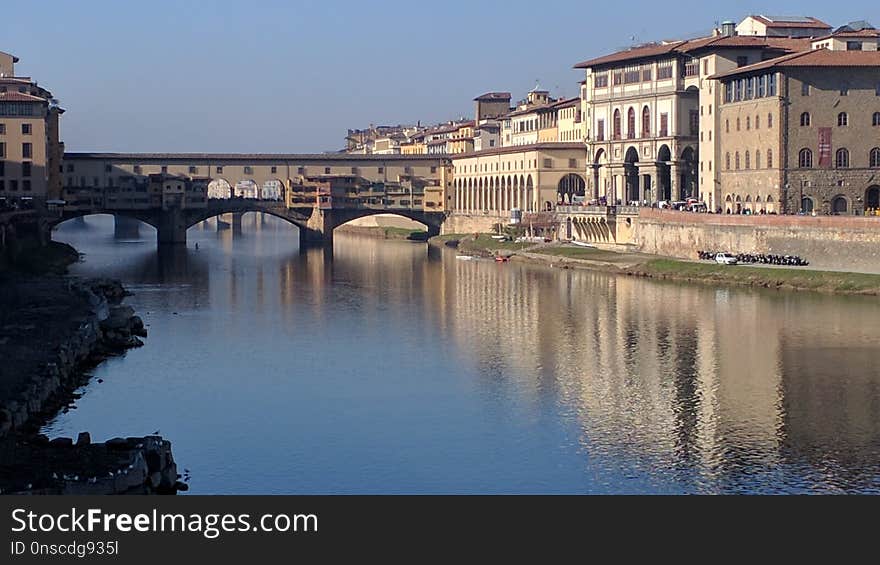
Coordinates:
[53,330]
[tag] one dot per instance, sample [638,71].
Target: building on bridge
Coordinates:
[30,146]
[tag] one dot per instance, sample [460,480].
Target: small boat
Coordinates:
[501,259]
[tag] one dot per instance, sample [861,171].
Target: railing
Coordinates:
[692,69]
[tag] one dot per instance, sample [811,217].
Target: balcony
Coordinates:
[692,69]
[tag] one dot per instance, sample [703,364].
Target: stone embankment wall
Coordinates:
[108,329]
[850,243]
[470,224]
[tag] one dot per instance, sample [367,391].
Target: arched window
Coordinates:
[805,119]
[769,120]
[748,123]
[757,122]
[769,158]
[631,124]
[748,161]
[616,125]
[727,161]
[737,124]
[874,159]
[646,122]
[736,159]
[842,119]
[875,121]
[727,126]
[805,159]
[841,160]
[758,159]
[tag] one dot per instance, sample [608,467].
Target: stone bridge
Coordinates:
[315,224]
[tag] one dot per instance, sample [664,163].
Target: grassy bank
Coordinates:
[767,277]
[381,232]
[482,244]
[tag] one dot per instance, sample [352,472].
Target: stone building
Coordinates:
[802,133]
[531,178]
[30,146]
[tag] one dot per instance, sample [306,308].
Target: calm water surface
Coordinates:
[385,367]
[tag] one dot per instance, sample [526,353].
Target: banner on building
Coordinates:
[825,148]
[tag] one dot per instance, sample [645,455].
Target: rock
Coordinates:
[61,442]
[84,438]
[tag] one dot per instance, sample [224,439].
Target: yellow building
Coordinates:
[30,149]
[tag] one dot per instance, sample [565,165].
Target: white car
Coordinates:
[725,259]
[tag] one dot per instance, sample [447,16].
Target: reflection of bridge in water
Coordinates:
[316,224]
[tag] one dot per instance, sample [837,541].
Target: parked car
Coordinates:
[725,259]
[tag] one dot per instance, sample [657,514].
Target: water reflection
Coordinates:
[386,367]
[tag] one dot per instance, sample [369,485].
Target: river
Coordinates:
[389,367]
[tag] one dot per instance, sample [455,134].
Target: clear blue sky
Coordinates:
[293,76]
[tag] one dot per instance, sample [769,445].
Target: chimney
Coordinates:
[728,28]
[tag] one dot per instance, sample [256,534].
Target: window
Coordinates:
[164,169]
[748,123]
[326,170]
[26,169]
[301,170]
[762,86]
[737,124]
[137,169]
[769,158]
[805,89]
[273,169]
[219,170]
[771,85]
[769,120]
[750,88]
[757,122]
[248,170]
[877,89]
[601,80]
[434,169]
[380,170]
[841,160]
[617,77]
[736,160]
[664,71]
[354,170]
[572,163]
[600,130]
[726,126]
[727,161]
[647,74]
[694,122]
[742,61]
[616,124]
[548,163]
[842,119]
[27,150]
[844,89]
[805,159]
[758,159]
[748,161]
[26,185]
[193,170]
[805,119]
[26,129]
[853,45]
[13,185]
[875,121]
[874,158]
[2,149]
[2,169]
[631,124]
[664,125]
[2,129]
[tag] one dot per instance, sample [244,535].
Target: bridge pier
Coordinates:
[126,228]
[236,222]
[171,227]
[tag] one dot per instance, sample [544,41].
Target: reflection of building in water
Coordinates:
[687,376]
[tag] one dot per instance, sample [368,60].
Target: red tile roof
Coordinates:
[692,46]
[19,97]
[792,22]
[812,58]
[493,96]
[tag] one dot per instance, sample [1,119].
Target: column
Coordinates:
[674,174]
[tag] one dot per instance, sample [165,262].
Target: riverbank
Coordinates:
[568,256]
[53,331]
[386,232]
